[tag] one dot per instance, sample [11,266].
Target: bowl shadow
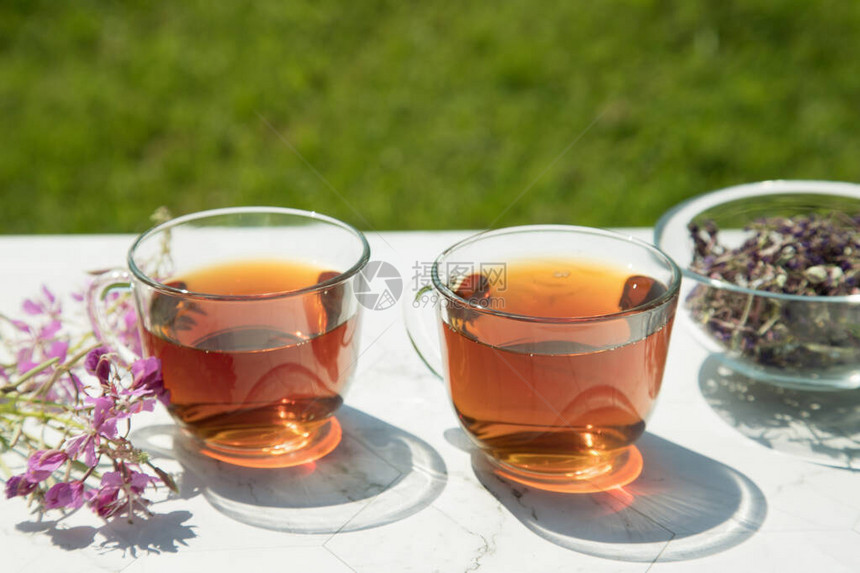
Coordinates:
[822,426]
[378,474]
[682,506]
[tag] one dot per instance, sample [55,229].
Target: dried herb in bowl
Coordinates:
[811,255]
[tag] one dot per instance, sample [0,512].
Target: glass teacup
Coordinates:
[554,342]
[252,314]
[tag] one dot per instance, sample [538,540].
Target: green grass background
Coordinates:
[416,115]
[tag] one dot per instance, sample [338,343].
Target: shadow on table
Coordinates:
[160,533]
[683,506]
[377,474]
[820,426]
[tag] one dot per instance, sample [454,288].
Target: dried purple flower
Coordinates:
[807,255]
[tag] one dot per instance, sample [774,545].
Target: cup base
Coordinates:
[305,448]
[613,472]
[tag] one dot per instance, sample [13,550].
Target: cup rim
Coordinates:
[672,289]
[684,211]
[310,215]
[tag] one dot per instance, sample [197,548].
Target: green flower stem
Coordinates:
[165,477]
[77,464]
[17,435]
[65,421]
[64,369]
[29,374]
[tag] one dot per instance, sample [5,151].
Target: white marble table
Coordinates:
[738,476]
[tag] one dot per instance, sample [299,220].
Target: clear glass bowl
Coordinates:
[807,342]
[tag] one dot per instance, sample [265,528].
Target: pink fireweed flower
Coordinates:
[57,349]
[40,342]
[123,322]
[21,325]
[47,304]
[105,416]
[98,364]
[107,412]
[83,444]
[103,424]
[95,405]
[32,307]
[119,491]
[49,296]
[129,334]
[19,485]
[49,330]
[147,378]
[65,494]
[115,404]
[25,360]
[42,463]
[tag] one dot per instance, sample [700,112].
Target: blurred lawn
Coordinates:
[416,115]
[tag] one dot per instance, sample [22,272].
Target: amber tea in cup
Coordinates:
[251,312]
[554,342]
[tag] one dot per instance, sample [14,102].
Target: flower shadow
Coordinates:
[682,506]
[159,533]
[378,474]
[68,538]
[820,426]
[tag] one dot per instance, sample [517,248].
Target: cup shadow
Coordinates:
[682,506]
[820,426]
[378,474]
